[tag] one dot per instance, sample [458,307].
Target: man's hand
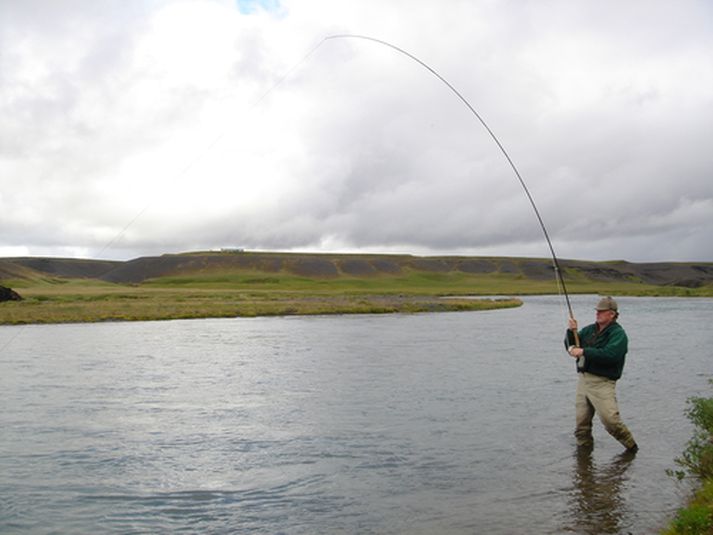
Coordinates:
[572,324]
[576,352]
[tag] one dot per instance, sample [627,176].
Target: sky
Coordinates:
[133,128]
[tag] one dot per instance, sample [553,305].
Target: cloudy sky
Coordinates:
[135,127]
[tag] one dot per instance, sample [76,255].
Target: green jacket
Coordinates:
[604,352]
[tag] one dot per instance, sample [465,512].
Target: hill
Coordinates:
[212,267]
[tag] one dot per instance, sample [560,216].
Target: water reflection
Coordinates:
[597,503]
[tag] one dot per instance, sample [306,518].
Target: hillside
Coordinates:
[214,266]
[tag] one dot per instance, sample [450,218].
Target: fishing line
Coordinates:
[12,338]
[555,261]
[191,163]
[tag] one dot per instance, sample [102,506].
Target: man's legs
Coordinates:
[600,393]
[584,414]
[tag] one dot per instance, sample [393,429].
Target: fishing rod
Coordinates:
[555,261]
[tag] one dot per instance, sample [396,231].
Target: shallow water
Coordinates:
[428,423]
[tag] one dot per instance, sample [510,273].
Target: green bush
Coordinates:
[697,461]
[697,458]
[694,520]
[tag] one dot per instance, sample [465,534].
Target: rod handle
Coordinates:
[575,332]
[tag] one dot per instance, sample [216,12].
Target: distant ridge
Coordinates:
[332,266]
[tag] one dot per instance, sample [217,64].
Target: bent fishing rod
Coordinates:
[555,261]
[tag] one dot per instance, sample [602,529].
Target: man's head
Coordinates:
[607,311]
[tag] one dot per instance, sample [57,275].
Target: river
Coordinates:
[424,423]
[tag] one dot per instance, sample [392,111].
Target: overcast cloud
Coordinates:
[142,127]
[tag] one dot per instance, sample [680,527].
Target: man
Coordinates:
[600,361]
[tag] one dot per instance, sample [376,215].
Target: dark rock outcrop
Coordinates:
[7,294]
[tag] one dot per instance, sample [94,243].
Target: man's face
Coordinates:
[605,317]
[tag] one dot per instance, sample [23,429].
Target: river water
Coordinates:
[426,423]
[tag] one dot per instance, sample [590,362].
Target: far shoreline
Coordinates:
[141,304]
[120,309]
[252,284]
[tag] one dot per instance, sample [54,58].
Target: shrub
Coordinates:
[697,461]
[693,520]
[697,458]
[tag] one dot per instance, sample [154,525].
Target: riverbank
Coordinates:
[82,300]
[93,304]
[220,284]
[697,462]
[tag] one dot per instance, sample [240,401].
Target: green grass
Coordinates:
[697,462]
[251,293]
[415,282]
[89,301]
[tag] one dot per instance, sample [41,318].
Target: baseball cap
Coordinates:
[607,303]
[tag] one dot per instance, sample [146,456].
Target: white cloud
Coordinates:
[152,127]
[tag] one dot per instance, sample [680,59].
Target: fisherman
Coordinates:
[600,361]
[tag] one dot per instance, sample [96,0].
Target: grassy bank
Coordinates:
[229,293]
[85,302]
[450,283]
[697,462]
